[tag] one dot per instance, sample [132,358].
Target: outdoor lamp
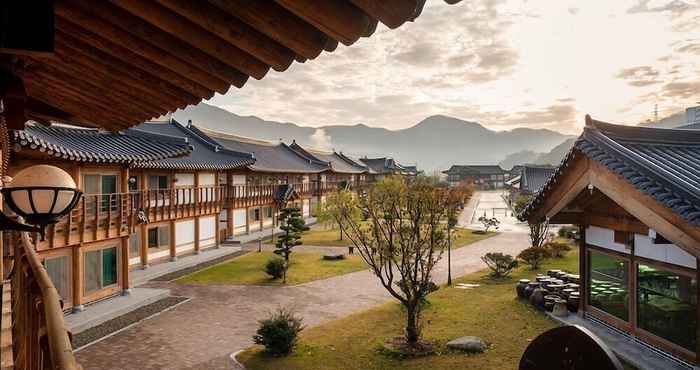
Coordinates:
[41,194]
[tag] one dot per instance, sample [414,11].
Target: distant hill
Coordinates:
[435,143]
[553,157]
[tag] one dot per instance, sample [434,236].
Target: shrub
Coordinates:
[278,333]
[557,249]
[275,267]
[568,232]
[489,223]
[500,264]
[533,256]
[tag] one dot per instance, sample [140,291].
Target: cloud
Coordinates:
[681,89]
[691,48]
[639,76]
[421,54]
[676,7]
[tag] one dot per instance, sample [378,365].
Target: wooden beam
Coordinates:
[278,24]
[128,57]
[576,169]
[194,35]
[161,48]
[161,94]
[572,192]
[646,209]
[392,13]
[43,109]
[14,97]
[234,31]
[338,19]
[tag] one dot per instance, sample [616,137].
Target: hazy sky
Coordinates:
[503,63]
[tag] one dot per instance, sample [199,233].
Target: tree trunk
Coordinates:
[449,256]
[341,231]
[411,324]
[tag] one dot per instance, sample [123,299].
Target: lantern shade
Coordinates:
[42,194]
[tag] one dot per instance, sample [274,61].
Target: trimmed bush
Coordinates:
[500,264]
[275,267]
[278,333]
[568,232]
[557,249]
[533,256]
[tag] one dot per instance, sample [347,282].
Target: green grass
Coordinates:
[330,237]
[490,311]
[249,270]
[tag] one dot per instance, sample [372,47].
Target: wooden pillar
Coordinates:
[196,218]
[583,273]
[247,220]
[78,278]
[229,221]
[172,242]
[126,289]
[144,246]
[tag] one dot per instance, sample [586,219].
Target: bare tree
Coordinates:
[403,241]
[538,233]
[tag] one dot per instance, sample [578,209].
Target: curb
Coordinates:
[234,362]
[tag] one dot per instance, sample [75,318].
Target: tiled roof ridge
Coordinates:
[228,136]
[306,155]
[212,145]
[596,145]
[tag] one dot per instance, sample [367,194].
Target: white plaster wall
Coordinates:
[134,260]
[644,247]
[160,254]
[207,231]
[184,236]
[238,180]
[207,179]
[306,208]
[184,196]
[305,179]
[184,179]
[239,216]
[604,238]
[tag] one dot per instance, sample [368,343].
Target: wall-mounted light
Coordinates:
[40,194]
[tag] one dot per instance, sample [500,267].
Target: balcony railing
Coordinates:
[39,335]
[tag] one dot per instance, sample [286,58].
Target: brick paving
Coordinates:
[201,333]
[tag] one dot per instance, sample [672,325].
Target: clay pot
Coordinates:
[555,288]
[549,302]
[520,288]
[553,273]
[565,292]
[531,286]
[560,308]
[537,297]
[573,301]
[541,277]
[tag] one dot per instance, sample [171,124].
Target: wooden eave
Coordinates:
[118,63]
[585,175]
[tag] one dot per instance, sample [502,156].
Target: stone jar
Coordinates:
[560,308]
[573,301]
[520,288]
[537,297]
[549,301]
[530,288]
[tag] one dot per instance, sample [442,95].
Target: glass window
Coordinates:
[159,237]
[666,305]
[608,281]
[58,269]
[100,268]
[92,271]
[135,244]
[156,182]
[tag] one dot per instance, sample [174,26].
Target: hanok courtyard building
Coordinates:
[485,177]
[635,193]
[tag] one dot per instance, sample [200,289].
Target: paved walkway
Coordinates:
[219,320]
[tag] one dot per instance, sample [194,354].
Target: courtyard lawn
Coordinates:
[323,237]
[249,270]
[490,311]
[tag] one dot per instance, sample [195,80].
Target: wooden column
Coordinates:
[126,289]
[196,218]
[247,220]
[143,186]
[582,270]
[78,278]
[172,242]
[229,221]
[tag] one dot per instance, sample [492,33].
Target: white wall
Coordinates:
[238,180]
[643,246]
[184,196]
[239,217]
[306,208]
[207,231]
[604,238]
[184,236]
[207,179]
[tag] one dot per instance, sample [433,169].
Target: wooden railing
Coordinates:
[40,337]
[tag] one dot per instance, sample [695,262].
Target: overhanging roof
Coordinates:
[117,64]
[661,163]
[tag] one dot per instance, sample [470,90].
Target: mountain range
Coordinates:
[433,144]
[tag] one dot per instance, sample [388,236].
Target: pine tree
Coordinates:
[292,223]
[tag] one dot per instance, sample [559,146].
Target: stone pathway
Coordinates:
[201,333]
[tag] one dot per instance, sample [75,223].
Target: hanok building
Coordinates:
[384,166]
[483,177]
[529,179]
[87,253]
[635,193]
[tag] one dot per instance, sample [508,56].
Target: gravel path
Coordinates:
[218,320]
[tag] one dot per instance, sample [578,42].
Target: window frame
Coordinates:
[101,286]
